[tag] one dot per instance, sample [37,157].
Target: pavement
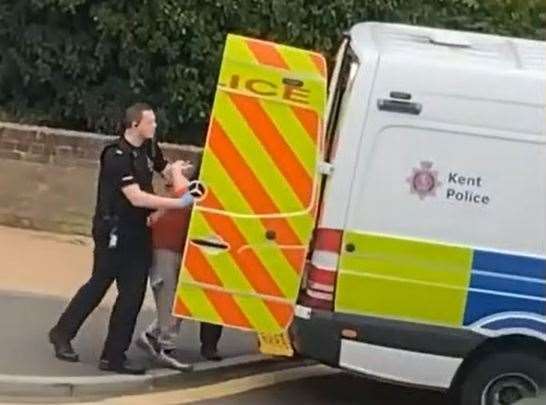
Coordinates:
[40,273]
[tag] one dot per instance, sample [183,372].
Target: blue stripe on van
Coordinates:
[510,264]
[505,283]
[491,281]
[481,305]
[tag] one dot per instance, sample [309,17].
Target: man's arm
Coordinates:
[142,199]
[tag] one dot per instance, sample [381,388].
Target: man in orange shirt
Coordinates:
[169,232]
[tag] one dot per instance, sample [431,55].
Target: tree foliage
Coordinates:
[78,63]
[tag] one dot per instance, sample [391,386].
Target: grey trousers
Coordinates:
[163,280]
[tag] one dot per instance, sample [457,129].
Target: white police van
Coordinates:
[428,263]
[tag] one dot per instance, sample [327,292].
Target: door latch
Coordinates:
[326,168]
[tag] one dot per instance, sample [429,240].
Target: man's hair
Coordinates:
[134,113]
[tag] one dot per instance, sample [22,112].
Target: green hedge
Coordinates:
[78,63]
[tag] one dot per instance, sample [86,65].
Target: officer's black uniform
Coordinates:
[123,247]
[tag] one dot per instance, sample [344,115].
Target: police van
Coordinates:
[428,265]
[412,202]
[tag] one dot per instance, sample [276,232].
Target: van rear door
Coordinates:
[249,236]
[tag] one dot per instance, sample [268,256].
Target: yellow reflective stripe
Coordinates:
[294,134]
[197,302]
[237,51]
[303,225]
[260,319]
[271,256]
[259,161]
[232,278]
[412,273]
[253,231]
[225,268]
[215,177]
[298,60]
[233,201]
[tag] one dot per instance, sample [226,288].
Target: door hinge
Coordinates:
[326,168]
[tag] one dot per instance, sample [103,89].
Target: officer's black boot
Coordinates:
[63,348]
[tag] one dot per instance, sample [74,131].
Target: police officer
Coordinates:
[122,240]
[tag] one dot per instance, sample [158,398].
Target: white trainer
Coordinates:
[167,359]
[148,344]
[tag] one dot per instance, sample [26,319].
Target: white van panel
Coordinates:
[474,97]
[505,181]
[399,365]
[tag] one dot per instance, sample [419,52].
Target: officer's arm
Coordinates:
[119,170]
[142,199]
[161,165]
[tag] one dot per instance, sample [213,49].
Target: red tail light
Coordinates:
[322,270]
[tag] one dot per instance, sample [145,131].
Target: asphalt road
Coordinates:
[339,389]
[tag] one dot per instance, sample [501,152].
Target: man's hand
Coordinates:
[154,217]
[181,166]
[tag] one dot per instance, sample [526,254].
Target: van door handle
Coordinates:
[210,244]
[404,107]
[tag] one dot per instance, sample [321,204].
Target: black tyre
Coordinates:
[503,379]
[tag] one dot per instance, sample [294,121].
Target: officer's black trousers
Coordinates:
[128,266]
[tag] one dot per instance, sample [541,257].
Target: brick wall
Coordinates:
[48,176]
[62,147]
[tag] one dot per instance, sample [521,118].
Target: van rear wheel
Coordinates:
[503,379]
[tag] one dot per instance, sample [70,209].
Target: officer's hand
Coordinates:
[196,192]
[186,200]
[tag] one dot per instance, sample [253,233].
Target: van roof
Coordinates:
[493,82]
[451,47]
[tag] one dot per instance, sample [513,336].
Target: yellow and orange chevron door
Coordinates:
[249,236]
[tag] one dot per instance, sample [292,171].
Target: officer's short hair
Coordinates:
[134,113]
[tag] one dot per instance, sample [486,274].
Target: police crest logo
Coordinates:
[424,181]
